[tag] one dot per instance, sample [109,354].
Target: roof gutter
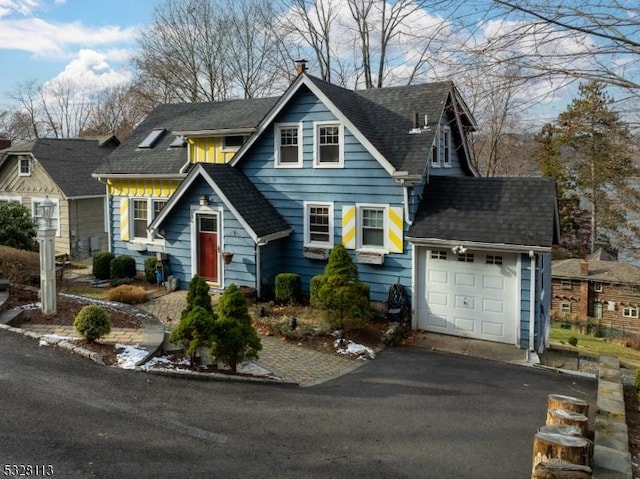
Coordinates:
[263,240]
[221,131]
[129,176]
[445,243]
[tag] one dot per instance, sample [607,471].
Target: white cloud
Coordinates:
[46,40]
[23,7]
[90,71]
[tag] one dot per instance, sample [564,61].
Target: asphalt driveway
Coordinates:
[410,413]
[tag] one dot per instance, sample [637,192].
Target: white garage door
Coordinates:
[471,294]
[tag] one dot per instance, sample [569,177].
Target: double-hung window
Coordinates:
[288,145]
[24,166]
[446,146]
[318,224]
[328,144]
[144,211]
[630,312]
[441,149]
[372,227]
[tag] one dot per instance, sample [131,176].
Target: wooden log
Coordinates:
[548,447]
[557,469]
[570,403]
[563,429]
[570,418]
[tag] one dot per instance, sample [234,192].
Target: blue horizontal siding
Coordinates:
[525,300]
[362,180]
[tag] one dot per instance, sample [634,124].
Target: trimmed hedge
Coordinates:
[102,264]
[287,288]
[123,266]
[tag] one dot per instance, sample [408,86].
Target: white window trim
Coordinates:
[37,199]
[316,145]
[226,149]
[149,239]
[435,150]
[307,232]
[597,287]
[385,227]
[446,146]
[277,127]
[11,199]
[565,307]
[20,158]
[631,312]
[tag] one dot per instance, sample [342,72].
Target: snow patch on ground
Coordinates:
[48,339]
[130,355]
[354,349]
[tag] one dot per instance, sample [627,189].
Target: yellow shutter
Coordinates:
[394,230]
[349,226]
[124,219]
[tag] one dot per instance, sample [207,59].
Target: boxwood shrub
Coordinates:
[123,266]
[102,264]
[287,288]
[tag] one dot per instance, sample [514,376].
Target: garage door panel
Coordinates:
[465,302]
[494,329]
[464,325]
[437,276]
[493,305]
[493,282]
[438,299]
[471,299]
[465,279]
[438,322]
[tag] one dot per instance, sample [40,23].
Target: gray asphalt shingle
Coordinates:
[511,211]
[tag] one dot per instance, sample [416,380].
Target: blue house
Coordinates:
[385,172]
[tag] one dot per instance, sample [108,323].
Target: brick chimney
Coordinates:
[4,142]
[301,66]
[584,267]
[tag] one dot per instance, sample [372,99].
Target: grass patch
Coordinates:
[84,290]
[590,345]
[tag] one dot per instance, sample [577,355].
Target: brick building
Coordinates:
[607,292]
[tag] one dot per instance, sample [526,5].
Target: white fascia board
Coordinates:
[442,243]
[218,132]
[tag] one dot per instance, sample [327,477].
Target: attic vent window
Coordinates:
[152,138]
[178,142]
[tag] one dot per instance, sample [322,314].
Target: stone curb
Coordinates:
[216,376]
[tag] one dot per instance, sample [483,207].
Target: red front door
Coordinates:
[208,247]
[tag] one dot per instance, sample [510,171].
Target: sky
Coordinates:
[45,39]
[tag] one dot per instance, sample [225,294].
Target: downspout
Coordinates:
[532,299]
[108,220]
[258,272]
[406,206]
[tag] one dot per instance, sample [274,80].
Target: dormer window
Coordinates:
[232,142]
[152,138]
[24,166]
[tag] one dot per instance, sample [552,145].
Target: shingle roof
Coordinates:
[165,160]
[512,211]
[385,117]
[603,271]
[69,162]
[254,208]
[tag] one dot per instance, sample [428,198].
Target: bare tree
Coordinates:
[538,35]
[66,108]
[27,95]
[183,49]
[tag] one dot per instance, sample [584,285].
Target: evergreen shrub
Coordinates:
[287,288]
[122,266]
[92,322]
[102,264]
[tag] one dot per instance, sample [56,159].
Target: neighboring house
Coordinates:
[61,169]
[386,172]
[606,292]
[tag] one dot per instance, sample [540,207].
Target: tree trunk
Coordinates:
[570,418]
[570,403]
[560,470]
[562,429]
[548,446]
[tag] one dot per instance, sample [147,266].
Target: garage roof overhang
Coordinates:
[471,245]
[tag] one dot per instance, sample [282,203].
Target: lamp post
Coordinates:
[47,258]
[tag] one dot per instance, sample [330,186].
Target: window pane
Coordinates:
[140,218]
[319,224]
[329,144]
[289,145]
[372,227]
[24,166]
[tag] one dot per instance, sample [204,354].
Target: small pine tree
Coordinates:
[235,339]
[195,330]
[341,292]
[198,295]
[92,322]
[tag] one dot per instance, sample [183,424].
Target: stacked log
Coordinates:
[561,449]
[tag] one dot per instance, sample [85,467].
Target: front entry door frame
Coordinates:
[198,236]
